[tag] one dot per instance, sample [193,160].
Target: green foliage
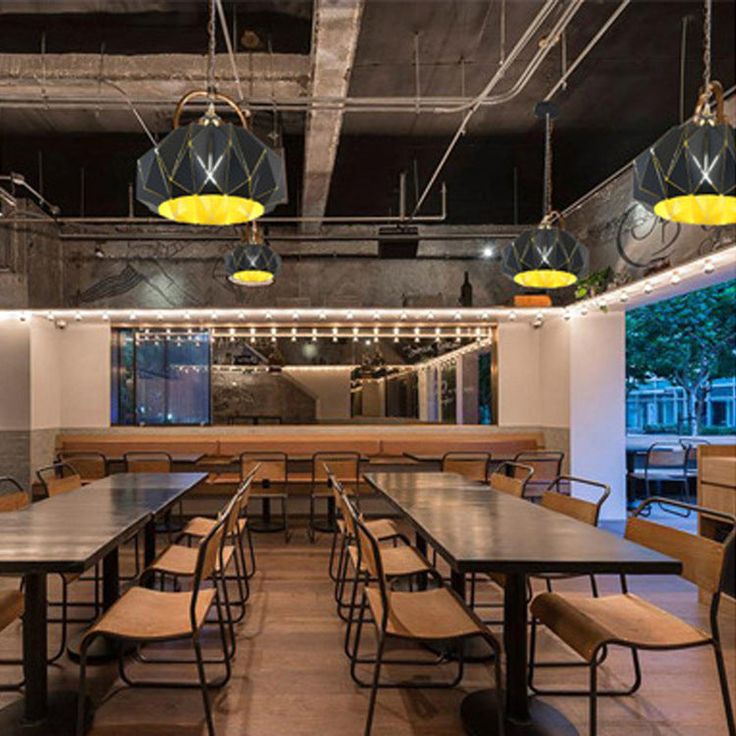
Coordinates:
[594,284]
[688,340]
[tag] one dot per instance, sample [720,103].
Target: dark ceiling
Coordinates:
[622,97]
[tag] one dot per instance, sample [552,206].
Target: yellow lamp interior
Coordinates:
[698,209]
[545,279]
[211,209]
[252,278]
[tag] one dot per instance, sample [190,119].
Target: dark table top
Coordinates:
[71,531]
[176,457]
[478,529]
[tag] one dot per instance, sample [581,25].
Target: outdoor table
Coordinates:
[479,530]
[69,533]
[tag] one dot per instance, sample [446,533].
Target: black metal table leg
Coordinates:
[39,713]
[523,717]
[149,543]
[34,648]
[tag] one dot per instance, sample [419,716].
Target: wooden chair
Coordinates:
[148,461]
[272,469]
[400,561]
[590,625]
[471,465]
[547,465]
[179,561]
[200,526]
[12,498]
[511,478]
[664,463]
[142,615]
[345,466]
[61,477]
[433,615]
[89,465]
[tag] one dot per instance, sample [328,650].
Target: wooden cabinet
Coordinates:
[717,490]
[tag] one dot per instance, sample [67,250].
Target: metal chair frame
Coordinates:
[202,683]
[58,469]
[366,538]
[321,478]
[271,456]
[678,476]
[715,641]
[467,457]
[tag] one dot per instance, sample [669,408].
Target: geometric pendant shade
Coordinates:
[210,172]
[253,263]
[545,258]
[689,174]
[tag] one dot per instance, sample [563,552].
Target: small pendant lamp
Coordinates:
[253,263]
[211,172]
[547,257]
[689,174]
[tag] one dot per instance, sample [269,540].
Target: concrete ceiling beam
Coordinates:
[334,40]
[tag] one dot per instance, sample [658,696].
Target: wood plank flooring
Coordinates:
[291,676]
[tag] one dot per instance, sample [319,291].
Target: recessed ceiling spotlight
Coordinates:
[323,315]
[648,287]
[78,316]
[160,316]
[676,278]
[269,315]
[350,315]
[295,316]
[187,315]
[133,316]
[512,316]
[708,266]
[376,315]
[106,316]
[50,316]
[404,315]
[488,251]
[624,297]
[241,316]
[214,314]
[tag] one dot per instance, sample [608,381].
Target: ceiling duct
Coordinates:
[400,241]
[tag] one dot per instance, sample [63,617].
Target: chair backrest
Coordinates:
[703,559]
[666,455]
[12,495]
[547,464]
[345,466]
[59,478]
[577,508]
[369,555]
[239,504]
[511,478]
[471,465]
[89,465]
[270,466]
[148,462]
[210,550]
[346,510]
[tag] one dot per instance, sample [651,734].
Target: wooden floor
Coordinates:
[291,677]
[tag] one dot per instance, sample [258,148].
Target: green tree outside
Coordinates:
[688,340]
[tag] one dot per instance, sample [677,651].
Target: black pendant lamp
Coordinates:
[211,172]
[253,263]
[547,257]
[689,174]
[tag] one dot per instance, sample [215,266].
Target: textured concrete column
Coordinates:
[335,37]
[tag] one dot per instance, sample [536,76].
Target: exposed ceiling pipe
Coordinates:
[284,237]
[562,22]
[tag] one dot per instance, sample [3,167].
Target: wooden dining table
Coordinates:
[69,533]
[478,530]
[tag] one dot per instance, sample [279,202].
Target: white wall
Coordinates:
[84,352]
[598,404]
[15,374]
[46,378]
[519,377]
[554,374]
[329,385]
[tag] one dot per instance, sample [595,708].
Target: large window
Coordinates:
[161,378]
[681,364]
